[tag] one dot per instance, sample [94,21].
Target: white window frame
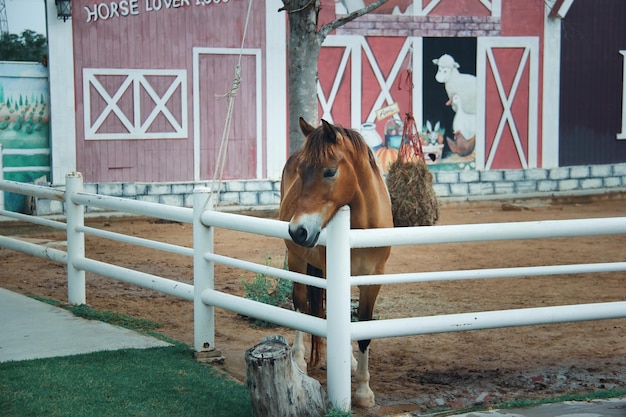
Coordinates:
[135,79]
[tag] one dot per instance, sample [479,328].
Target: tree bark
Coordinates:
[304,44]
[277,386]
[303,54]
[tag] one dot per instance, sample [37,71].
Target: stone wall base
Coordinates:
[449,186]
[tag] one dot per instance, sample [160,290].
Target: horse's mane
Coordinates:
[318,147]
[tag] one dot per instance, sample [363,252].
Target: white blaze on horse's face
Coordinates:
[316,205]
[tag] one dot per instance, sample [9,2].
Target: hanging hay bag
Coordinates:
[410,183]
[413,199]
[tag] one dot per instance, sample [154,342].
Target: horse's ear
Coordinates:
[329,131]
[305,127]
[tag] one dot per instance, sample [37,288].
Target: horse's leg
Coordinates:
[364,396]
[300,305]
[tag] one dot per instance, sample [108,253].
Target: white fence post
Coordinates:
[75,240]
[338,309]
[203,278]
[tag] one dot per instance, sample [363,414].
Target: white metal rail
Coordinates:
[339,240]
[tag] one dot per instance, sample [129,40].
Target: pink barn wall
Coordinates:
[161,39]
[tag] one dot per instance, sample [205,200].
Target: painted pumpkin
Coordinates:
[385,157]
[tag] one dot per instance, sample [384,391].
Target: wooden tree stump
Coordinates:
[278,388]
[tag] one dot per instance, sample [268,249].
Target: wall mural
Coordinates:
[449,102]
[449,108]
[24,127]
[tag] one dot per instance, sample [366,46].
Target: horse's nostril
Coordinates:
[299,235]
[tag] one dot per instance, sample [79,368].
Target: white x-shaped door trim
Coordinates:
[485,56]
[136,129]
[354,45]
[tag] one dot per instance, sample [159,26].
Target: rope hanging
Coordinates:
[411,145]
[230,95]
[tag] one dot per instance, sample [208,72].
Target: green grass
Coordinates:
[129,382]
[149,382]
[139,382]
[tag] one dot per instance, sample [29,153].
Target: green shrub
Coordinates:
[268,290]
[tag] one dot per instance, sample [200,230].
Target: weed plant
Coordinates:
[268,290]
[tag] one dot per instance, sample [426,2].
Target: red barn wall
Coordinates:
[454,19]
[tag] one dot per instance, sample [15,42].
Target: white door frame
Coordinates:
[485,47]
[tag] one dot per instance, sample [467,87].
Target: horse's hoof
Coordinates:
[364,402]
[364,398]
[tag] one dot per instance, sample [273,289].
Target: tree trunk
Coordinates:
[305,42]
[277,386]
[303,53]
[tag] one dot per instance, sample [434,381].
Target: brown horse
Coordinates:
[334,168]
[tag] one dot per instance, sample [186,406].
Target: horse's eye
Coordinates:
[329,172]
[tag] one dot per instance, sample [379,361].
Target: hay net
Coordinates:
[410,183]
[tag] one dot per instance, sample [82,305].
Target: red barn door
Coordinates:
[508,90]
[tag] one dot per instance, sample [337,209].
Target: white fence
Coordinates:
[339,239]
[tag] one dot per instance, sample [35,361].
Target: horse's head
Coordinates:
[326,167]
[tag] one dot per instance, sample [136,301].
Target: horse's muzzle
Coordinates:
[303,237]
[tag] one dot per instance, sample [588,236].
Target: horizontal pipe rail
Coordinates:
[42,221]
[487,320]
[255,225]
[139,241]
[141,279]
[39,191]
[527,271]
[402,236]
[265,269]
[272,314]
[142,208]
[34,249]
[249,224]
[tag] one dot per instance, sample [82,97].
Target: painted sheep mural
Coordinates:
[461,91]
[456,83]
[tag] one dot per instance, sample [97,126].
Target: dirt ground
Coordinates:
[409,374]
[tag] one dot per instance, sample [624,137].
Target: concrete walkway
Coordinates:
[30,329]
[596,408]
